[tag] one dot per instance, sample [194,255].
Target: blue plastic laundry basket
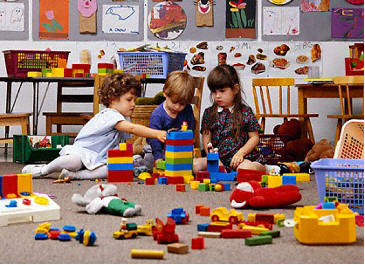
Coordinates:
[341,178]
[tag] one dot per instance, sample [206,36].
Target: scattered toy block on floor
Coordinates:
[227,186]
[175,180]
[150,181]
[162,180]
[197,208]
[178,248]
[258,240]
[194,185]
[197,242]
[147,254]
[275,181]
[231,233]
[203,186]
[202,227]
[209,234]
[204,211]
[290,180]
[273,233]
[200,175]
[180,188]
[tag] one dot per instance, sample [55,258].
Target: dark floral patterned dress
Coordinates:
[224,140]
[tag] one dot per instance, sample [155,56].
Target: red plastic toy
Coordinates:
[165,233]
[197,242]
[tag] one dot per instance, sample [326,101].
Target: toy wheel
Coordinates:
[233,219]
[215,218]
[134,235]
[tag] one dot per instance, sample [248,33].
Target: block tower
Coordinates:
[120,164]
[179,157]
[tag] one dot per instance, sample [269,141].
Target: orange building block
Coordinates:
[204,211]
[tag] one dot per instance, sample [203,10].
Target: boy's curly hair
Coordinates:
[116,85]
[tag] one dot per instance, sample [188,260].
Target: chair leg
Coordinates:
[310,130]
[263,125]
[48,126]
[338,131]
[25,126]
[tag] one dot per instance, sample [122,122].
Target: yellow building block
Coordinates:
[179,173]
[194,185]
[255,230]
[25,183]
[49,75]
[159,171]
[275,181]
[34,74]
[299,176]
[58,72]
[120,160]
[251,217]
[188,179]
[206,181]
[123,147]
[169,154]
[278,216]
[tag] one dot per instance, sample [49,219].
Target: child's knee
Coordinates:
[247,164]
[199,164]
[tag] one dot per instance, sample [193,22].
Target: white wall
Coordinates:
[333,54]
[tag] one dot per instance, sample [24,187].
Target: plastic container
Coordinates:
[272,147]
[20,62]
[341,178]
[152,64]
[24,153]
[351,142]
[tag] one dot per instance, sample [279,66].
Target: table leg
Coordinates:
[35,107]
[7,110]
[302,109]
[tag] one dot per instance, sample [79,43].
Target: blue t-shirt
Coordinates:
[160,120]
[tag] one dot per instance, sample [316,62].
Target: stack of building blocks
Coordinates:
[214,169]
[105,68]
[245,175]
[81,70]
[15,186]
[120,164]
[299,176]
[179,156]
[202,210]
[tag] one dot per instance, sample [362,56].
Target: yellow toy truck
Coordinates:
[221,214]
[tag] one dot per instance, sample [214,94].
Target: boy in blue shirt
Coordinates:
[179,92]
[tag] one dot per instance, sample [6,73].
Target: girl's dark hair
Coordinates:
[226,76]
[116,85]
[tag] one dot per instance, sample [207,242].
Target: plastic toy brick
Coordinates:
[120,175]
[197,242]
[219,176]
[328,205]
[258,223]
[64,237]
[179,215]
[178,167]
[258,240]
[264,179]
[202,227]
[204,211]
[180,135]
[181,187]
[212,157]
[27,201]
[200,175]
[221,214]
[273,233]
[299,176]
[146,229]
[188,179]
[175,180]
[179,142]
[218,226]
[212,166]
[309,229]
[40,236]
[275,181]
[159,171]
[179,173]
[177,161]
[330,199]
[227,186]
[165,233]
[218,187]
[1,187]
[150,181]
[230,233]
[178,154]
[120,166]
[211,187]
[25,183]
[255,230]
[87,237]
[162,180]
[147,254]
[244,175]
[120,160]
[118,153]
[178,248]
[290,180]
[54,234]
[197,208]
[206,181]
[106,65]
[180,148]
[10,185]
[265,218]
[160,164]
[209,234]
[278,216]
[203,187]
[12,204]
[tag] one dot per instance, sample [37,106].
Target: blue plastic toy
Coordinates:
[179,215]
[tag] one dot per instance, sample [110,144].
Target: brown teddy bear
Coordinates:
[322,149]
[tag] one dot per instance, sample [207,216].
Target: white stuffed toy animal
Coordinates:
[103,197]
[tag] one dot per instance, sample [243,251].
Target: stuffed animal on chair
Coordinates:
[103,197]
[252,194]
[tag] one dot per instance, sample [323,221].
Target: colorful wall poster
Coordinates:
[53,19]
[347,23]
[87,15]
[281,21]
[314,5]
[240,19]
[11,16]
[123,19]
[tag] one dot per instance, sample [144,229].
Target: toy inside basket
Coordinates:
[20,62]
[272,147]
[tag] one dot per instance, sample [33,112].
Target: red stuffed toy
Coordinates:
[252,194]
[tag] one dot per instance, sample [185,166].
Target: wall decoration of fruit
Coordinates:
[53,19]
[240,18]
[167,20]
[347,23]
[204,13]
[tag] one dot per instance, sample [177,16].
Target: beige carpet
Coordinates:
[17,244]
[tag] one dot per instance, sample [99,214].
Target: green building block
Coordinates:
[258,240]
[265,179]
[330,199]
[203,187]
[177,161]
[280,223]
[160,164]
[273,233]
[211,187]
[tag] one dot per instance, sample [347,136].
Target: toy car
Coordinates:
[179,216]
[129,232]
[146,229]
[223,215]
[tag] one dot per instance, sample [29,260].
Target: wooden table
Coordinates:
[329,90]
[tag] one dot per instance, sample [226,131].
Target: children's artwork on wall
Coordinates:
[167,20]
[204,13]
[281,21]
[356,2]
[87,15]
[53,19]
[347,23]
[123,19]
[240,19]
[314,5]
[11,17]
[279,2]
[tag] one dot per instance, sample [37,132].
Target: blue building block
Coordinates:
[178,167]
[40,236]
[212,156]
[64,237]
[1,187]
[120,166]
[289,180]
[12,204]
[220,176]
[180,148]
[162,180]
[227,186]
[180,135]
[203,227]
[328,205]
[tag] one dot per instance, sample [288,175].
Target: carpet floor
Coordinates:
[18,244]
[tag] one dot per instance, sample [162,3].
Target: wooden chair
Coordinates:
[344,94]
[197,101]
[61,117]
[13,119]
[267,85]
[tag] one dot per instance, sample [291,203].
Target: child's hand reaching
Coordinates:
[161,135]
[237,159]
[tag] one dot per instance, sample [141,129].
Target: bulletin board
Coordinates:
[17,35]
[74,33]
[192,32]
[314,26]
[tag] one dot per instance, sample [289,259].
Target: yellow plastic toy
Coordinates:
[146,229]
[325,226]
[221,214]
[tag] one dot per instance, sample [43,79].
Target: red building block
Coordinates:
[181,187]
[245,175]
[230,233]
[197,242]
[179,142]
[221,169]
[67,72]
[120,176]
[175,180]
[10,185]
[155,175]
[197,208]
[218,227]
[204,211]
[149,181]
[118,153]
[269,218]
[106,65]
[200,175]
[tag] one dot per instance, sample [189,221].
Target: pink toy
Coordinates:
[87,7]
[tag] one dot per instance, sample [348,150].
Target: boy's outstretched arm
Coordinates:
[140,130]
